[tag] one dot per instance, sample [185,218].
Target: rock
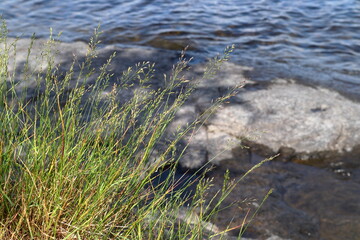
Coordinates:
[281,113]
[220,145]
[302,123]
[306,203]
[66,53]
[196,153]
[286,154]
[293,116]
[184,116]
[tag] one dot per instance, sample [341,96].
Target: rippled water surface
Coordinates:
[323,35]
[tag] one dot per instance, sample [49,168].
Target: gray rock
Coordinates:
[302,118]
[220,145]
[196,153]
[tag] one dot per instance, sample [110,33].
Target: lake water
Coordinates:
[318,41]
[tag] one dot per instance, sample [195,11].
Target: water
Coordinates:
[300,39]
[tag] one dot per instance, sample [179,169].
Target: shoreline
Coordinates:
[257,70]
[330,118]
[283,115]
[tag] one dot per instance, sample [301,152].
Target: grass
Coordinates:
[78,164]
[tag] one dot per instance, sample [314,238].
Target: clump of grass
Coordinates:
[78,164]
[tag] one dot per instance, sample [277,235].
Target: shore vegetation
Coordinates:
[76,163]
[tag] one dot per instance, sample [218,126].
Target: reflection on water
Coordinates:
[323,34]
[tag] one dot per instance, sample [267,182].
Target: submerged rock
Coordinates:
[306,203]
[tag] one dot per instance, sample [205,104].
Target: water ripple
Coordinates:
[298,33]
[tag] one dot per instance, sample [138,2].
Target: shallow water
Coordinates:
[320,38]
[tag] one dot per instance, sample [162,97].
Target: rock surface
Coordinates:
[310,122]
[306,203]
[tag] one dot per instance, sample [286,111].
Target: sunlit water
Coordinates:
[308,38]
